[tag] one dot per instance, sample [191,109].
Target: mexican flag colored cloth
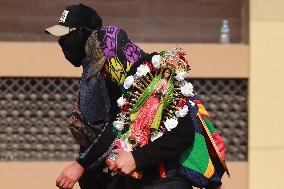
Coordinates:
[203,163]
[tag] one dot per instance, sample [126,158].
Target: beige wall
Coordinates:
[22,59]
[42,175]
[266,144]
[46,59]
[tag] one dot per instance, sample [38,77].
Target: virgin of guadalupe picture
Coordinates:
[154,99]
[147,112]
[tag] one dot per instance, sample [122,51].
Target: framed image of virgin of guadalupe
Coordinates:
[154,99]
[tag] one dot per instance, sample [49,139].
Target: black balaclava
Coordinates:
[73,45]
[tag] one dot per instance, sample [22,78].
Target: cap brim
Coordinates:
[59,30]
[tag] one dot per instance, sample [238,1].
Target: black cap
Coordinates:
[73,17]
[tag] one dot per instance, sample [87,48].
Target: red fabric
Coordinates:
[182,102]
[205,116]
[162,171]
[125,108]
[220,144]
[219,141]
[197,101]
[150,65]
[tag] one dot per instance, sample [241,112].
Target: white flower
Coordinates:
[170,123]
[156,61]
[128,82]
[121,101]
[156,135]
[187,89]
[118,125]
[121,116]
[142,70]
[182,112]
[181,75]
[191,103]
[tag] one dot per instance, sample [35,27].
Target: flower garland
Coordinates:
[135,84]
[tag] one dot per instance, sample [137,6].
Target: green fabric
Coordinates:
[196,157]
[133,116]
[209,125]
[146,94]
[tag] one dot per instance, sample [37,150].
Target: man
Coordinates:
[109,57]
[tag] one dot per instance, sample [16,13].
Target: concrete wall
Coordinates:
[42,175]
[189,21]
[46,59]
[266,149]
[22,59]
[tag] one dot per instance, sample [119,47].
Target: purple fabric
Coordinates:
[132,52]
[110,41]
[116,44]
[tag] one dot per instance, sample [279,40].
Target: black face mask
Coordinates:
[73,45]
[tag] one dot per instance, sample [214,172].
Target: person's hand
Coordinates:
[124,164]
[69,176]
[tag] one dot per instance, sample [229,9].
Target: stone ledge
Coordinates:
[34,59]
[34,175]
